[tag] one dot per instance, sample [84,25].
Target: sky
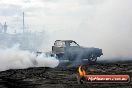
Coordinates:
[104,24]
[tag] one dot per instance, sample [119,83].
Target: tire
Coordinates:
[60,56]
[93,58]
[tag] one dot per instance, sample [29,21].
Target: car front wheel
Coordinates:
[93,58]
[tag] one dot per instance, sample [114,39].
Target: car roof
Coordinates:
[65,40]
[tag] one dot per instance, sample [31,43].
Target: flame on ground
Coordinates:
[81,71]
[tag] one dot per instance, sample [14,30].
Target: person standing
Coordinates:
[5,27]
[1,28]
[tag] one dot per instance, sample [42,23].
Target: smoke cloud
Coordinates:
[104,24]
[14,58]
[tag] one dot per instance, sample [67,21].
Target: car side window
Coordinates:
[73,44]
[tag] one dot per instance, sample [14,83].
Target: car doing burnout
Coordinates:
[69,49]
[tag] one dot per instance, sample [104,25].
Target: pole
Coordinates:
[23,23]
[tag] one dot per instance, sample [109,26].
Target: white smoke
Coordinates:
[14,58]
[104,24]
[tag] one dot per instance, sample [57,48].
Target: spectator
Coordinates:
[1,28]
[5,27]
